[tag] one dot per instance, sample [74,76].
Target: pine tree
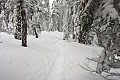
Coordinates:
[21,26]
[17,34]
[105,24]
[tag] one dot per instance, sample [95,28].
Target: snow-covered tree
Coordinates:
[39,14]
[102,18]
[18,34]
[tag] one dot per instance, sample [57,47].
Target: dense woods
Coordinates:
[90,22]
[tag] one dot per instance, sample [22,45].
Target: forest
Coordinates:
[94,23]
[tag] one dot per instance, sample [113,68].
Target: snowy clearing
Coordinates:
[45,58]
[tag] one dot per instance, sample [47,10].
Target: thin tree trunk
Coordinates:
[36,34]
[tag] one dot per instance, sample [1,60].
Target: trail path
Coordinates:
[57,70]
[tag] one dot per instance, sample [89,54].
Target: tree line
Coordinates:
[22,17]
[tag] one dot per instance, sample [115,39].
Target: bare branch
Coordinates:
[106,78]
[92,59]
[90,70]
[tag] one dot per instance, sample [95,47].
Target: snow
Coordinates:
[2,14]
[109,8]
[107,2]
[45,58]
[112,11]
[51,1]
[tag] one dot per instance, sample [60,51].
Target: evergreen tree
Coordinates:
[17,34]
[105,21]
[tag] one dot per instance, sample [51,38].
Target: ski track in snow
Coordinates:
[43,72]
[57,69]
[53,71]
[51,59]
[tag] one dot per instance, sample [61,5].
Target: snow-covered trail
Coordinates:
[66,64]
[45,58]
[31,63]
[57,70]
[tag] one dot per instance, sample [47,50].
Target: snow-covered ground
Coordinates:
[45,58]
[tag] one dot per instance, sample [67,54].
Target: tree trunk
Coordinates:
[18,20]
[36,34]
[24,29]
